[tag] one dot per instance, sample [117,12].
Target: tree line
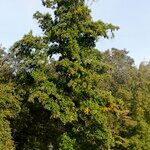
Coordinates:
[59,90]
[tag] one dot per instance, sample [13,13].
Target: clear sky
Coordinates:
[132,16]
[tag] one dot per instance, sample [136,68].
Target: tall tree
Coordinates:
[63,102]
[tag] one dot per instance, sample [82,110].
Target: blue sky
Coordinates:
[132,16]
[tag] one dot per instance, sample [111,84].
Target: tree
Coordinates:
[9,104]
[140,138]
[132,86]
[63,93]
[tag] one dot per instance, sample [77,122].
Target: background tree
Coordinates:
[9,104]
[132,86]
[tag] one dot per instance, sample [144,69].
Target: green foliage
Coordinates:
[66,143]
[69,94]
[132,86]
[59,89]
[9,104]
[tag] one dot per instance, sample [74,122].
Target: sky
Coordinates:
[132,16]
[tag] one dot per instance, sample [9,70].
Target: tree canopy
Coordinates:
[58,89]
